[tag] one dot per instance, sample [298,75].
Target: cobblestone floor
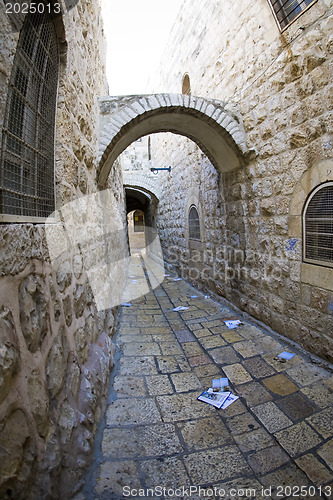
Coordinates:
[275,441]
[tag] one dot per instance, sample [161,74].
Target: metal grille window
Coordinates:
[27,156]
[318,226]
[287,10]
[194,223]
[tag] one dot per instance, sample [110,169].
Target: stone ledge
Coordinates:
[315,275]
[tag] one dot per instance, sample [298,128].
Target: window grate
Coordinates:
[287,10]
[194,224]
[27,157]
[318,225]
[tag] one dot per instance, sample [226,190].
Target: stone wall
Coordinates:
[251,229]
[55,346]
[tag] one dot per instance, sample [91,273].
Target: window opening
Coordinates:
[186,85]
[318,226]
[287,10]
[149,148]
[194,224]
[27,155]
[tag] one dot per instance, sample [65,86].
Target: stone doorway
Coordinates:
[136,231]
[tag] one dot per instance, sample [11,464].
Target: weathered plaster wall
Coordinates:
[251,248]
[55,346]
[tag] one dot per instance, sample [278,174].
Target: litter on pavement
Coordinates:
[180,308]
[219,394]
[284,356]
[233,323]
[230,399]
[220,384]
[214,398]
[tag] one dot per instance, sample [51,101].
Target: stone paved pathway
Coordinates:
[275,439]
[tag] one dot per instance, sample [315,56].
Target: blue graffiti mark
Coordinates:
[291,245]
[330,307]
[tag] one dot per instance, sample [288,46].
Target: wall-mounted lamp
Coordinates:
[155,170]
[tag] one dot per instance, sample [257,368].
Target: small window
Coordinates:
[149,148]
[194,224]
[186,85]
[27,157]
[287,10]
[318,226]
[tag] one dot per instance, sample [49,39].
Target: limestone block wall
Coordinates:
[251,219]
[55,346]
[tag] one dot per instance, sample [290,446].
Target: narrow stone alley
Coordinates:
[158,441]
[219,168]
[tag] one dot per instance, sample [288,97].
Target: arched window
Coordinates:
[27,159]
[194,224]
[318,226]
[186,85]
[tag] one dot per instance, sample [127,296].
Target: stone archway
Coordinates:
[215,126]
[144,181]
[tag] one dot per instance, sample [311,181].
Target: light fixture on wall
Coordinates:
[155,170]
